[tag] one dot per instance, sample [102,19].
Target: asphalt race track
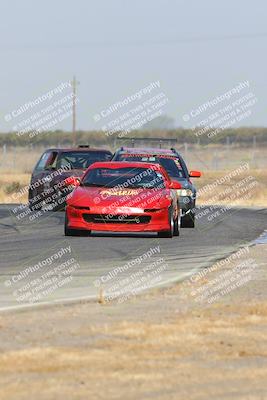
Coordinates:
[91,262]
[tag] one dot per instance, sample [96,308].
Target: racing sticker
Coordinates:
[120,192]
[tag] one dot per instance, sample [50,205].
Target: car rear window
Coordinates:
[171,164]
[82,159]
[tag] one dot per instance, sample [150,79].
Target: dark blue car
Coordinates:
[176,167]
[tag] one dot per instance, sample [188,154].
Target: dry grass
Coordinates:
[15,171]
[133,359]
[254,195]
[9,184]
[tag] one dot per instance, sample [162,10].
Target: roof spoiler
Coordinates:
[146,139]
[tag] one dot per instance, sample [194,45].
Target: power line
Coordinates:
[141,42]
[74,100]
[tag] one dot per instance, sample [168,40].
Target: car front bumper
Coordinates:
[119,220]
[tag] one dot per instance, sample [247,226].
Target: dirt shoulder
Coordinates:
[177,343]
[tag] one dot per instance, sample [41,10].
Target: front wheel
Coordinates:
[170,232]
[57,207]
[188,221]
[176,228]
[32,204]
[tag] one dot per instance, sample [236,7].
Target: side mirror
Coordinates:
[72,181]
[195,174]
[175,185]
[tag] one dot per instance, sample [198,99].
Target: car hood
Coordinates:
[113,198]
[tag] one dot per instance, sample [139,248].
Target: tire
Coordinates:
[30,207]
[57,204]
[74,232]
[58,207]
[53,207]
[176,228]
[170,232]
[188,221]
[34,206]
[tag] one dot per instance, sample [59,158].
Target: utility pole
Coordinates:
[254,151]
[74,85]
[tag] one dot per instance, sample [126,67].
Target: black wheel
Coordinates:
[58,204]
[32,204]
[31,207]
[176,228]
[188,221]
[170,232]
[35,207]
[57,207]
[74,232]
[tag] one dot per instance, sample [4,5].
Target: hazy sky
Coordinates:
[197,49]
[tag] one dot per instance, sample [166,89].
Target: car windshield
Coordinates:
[82,159]
[124,178]
[171,164]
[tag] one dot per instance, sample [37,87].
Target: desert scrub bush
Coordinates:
[12,187]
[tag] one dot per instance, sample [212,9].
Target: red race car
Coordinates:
[123,197]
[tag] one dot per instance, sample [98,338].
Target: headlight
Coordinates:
[184,192]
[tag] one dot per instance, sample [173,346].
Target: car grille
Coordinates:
[116,219]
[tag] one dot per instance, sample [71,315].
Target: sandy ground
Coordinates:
[165,344]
